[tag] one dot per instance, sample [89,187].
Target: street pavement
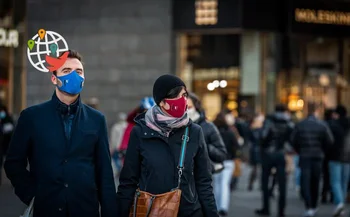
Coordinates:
[243,203]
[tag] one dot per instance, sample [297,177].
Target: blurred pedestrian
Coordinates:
[152,163]
[311,139]
[339,158]
[66,144]
[116,135]
[119,155]
[216,147]
[93,102]
[327,195]
[276,132]
[222,180]
[6,130]
[254,141]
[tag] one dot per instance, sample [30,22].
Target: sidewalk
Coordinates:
[243,203]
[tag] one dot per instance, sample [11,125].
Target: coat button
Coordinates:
[145,133]
[66,161]
[152,134]
[60,209]
[66,185]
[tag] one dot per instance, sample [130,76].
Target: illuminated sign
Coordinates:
[8,38]
[322,17]
[206,12]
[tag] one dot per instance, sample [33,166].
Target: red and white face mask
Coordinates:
[177,108]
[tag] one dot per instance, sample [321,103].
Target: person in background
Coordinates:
[327,195]
[1,151]
[152,157]
[145,104]
[276,132]
[311,139]
[93,102]
[6,128]
[235,125]
[216,147]
[254,138]
[339,158]
[116,136]
[66,144]
[222,180]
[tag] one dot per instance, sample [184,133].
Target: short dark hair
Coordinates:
[312,108]
[280,108]
[173,93]
[220,121]
[341,111]
[196,101]
[73,54]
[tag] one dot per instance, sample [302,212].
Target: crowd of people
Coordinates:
[166,153]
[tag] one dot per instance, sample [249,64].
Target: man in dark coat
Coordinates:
[311,139]
[66,144]
[275,134]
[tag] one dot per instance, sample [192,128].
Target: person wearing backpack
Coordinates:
[276,131]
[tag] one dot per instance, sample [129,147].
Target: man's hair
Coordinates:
[73,55]
[341,111]
[280,108]
[312,108]
[196,101]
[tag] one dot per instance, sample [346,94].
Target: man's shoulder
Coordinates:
[93,113]
[36,109]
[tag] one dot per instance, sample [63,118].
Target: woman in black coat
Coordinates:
[216,147]
[154,150]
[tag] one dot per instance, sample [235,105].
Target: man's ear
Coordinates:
[53,79]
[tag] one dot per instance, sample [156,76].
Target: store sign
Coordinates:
[8,38]
[322,17]
[216,73]
[206,12]
[317,18]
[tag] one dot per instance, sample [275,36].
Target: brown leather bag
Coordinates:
[161,205]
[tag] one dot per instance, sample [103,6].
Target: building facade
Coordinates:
[293,52]
[231,54]
[125,46]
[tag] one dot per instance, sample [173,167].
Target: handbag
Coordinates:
[165,205]
[29,211]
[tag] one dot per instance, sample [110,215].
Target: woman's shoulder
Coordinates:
[194,128]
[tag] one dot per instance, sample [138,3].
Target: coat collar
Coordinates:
[150,133]
[66,109]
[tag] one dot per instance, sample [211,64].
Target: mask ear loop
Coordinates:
[59,82]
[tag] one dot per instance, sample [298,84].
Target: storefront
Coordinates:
[12,56]
[288,52]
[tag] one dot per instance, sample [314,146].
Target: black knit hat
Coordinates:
[163,85]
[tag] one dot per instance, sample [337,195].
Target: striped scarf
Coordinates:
[162,123]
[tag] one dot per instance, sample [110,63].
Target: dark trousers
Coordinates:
[311,170]
[326,188]
[277,160]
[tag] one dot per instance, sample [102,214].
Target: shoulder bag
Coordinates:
[165,205]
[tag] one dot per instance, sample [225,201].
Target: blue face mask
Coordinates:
[2,115]
[71,83]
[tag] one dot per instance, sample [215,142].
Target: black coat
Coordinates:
[312,138]
[216,146]
[151,163]
[72,177]
[276,132]
[230,142]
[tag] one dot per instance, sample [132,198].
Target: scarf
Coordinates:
[157,120]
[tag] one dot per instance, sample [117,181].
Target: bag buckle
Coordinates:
[185,137]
